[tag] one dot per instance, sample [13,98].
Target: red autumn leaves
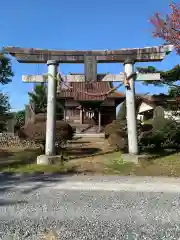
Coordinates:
[168,28]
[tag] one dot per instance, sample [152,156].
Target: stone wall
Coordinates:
[12,141]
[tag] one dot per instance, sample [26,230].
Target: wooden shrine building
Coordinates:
[86,109]
[82,109]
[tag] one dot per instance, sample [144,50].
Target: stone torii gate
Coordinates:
[90,58]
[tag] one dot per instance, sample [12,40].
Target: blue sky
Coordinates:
[77,24]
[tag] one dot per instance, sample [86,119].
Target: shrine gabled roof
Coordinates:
[160,99]
[94,91]
[155,98]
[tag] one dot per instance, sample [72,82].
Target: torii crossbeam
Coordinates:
[35,55]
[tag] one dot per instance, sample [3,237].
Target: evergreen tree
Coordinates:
[6,75]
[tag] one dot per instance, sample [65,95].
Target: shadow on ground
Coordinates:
[5,153]
[78,151]
[9,181]
[79,142]
[11,202]
[22,157]
[155,154]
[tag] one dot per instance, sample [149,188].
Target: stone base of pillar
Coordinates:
[46,160]
[43,160]
[137,159]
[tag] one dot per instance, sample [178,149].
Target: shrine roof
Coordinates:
[158,99]
[94,91]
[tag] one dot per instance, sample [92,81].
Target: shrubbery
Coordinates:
[162,133]
[114,127]
[165,133]
[37,131]
[116,132]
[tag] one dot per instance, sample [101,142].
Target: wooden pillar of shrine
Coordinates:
[99,120]
[81,115]
[65,114]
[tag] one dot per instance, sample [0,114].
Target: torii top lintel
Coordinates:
[34,55]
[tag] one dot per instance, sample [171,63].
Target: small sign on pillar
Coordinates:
[90,68]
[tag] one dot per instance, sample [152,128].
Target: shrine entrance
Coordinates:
[90,112]
[90,59]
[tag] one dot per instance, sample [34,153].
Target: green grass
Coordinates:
[119,167]
[34,168]
[112,163]
[168,165]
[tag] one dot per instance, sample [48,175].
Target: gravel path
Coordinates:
[29,207]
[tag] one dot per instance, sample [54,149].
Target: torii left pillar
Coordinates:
[131,109]
[51,108]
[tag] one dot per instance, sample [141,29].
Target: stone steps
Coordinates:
[90,135]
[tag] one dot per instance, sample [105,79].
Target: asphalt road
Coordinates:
[83,208]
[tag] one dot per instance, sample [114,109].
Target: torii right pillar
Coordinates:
[131,109]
